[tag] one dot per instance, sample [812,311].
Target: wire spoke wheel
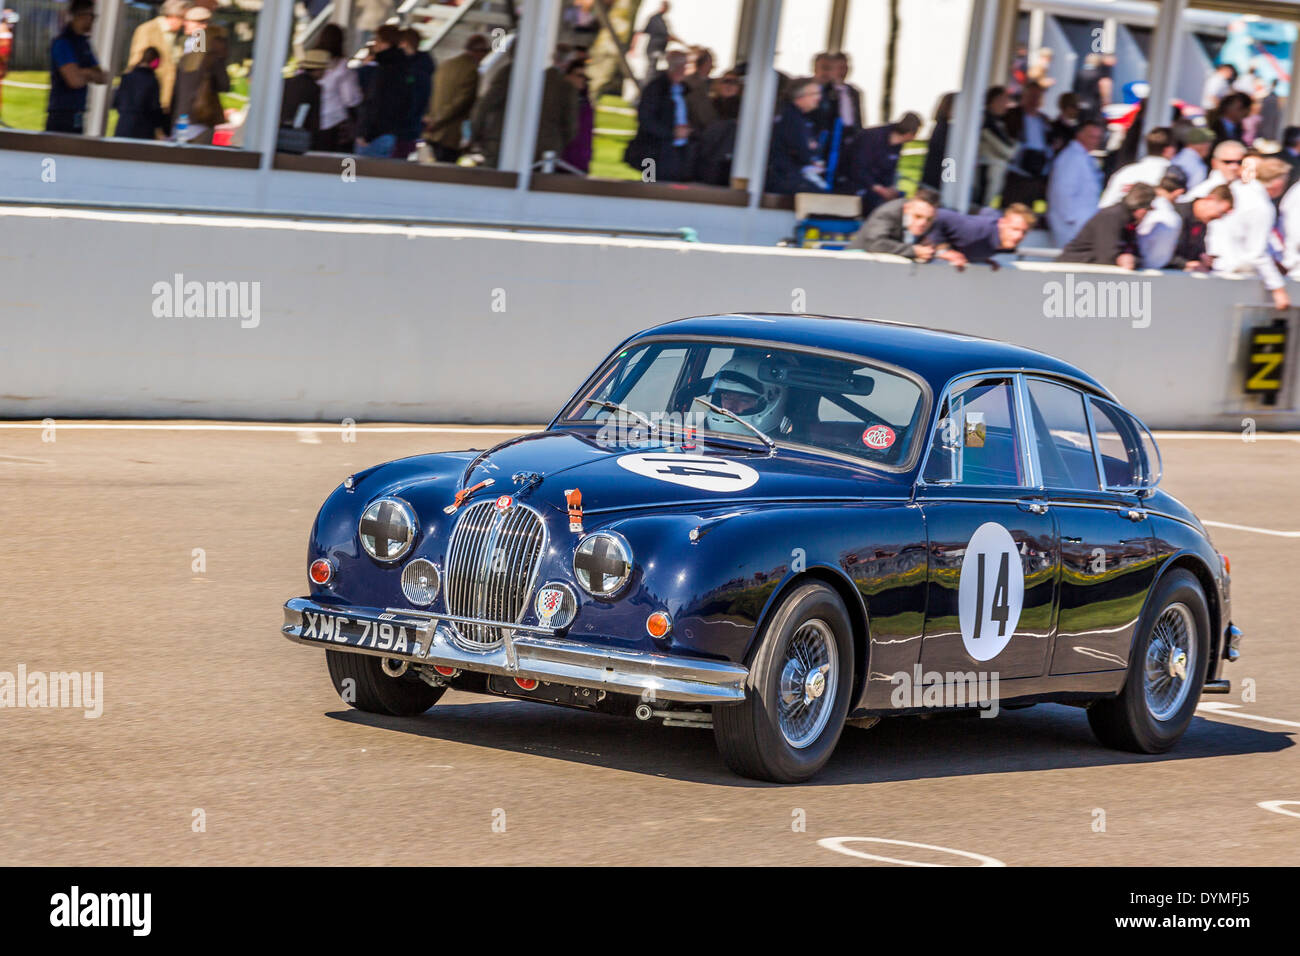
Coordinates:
[1170,662]
[809,680]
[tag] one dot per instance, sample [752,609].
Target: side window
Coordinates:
[976,441]
[1061,430]
[1129,457]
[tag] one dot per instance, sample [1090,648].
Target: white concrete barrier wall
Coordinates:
[424,324]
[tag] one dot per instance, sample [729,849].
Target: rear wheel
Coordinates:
[796,694]
[1166,671]
[361,682]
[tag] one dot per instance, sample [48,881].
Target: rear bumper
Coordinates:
[527,652]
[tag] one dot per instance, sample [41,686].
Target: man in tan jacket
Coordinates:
[455,87]
[164,33]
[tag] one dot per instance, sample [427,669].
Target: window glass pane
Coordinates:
[1064,445]
[1128,454]
[976,442]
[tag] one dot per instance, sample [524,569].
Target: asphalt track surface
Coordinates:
[222,743]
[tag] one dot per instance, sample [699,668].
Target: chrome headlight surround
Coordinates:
[421,582]
[555,605]
[370,523]
[602,563]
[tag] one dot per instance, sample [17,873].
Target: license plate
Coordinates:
[380,635]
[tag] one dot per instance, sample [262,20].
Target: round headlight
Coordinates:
[387,529]
[602,563]
[556,604]
[420,581]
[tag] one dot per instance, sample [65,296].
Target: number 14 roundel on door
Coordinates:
[992,591]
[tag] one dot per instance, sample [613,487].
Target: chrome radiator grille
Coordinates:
[491,563]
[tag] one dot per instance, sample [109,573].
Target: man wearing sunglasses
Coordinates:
[1225,169]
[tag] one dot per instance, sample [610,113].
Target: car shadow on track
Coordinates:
[1046,737]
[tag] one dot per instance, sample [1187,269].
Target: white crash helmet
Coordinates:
[737,388]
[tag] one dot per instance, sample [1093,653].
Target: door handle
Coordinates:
[1033,507]
[1133,514]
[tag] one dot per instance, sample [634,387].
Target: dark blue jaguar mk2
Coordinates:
[772,524]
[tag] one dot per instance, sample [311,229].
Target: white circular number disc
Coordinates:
[701,472]
[990,607]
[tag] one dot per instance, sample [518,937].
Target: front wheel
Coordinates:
[1166,672]
[360,681]
[796,694]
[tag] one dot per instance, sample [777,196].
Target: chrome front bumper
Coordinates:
[526,652]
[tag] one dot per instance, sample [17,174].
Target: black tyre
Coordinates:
[361,682]
[797,692]
[1166,671]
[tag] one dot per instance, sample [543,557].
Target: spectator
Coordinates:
[166,34]
[7,17]
[1093,84]
[201,77]
[848,96]
[1150,169]
[718,139]
[834,133]
[1066,124]
[300,101]
[658,35]
[960,238]
[1196,142]
[1269,126]
[932,172]
[455,88]
[578,152]
[663,138]
[72,68]
[419,70]
[487,119]
[1026,179]
[1185,248]
[1157,234]
[1074,185]
[899,227]
[871,168]
[1227,120]
[1217,85]
[699,104]
[1225,168]
[340,95]
[1290,153]
[1110,236]
[558,123]
[1239,242]
[996,148]
[386,95]
[137,100]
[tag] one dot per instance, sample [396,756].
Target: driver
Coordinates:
[736,387]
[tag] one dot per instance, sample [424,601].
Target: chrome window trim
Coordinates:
[945,396]
[1028,434]
[923,412]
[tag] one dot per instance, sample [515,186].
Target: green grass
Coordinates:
[607,151]
[25,108]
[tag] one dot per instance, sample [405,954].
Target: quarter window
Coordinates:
[1129,458]
[1064,444]
[976,441]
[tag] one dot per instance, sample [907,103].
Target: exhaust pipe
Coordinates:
[643,712]
[394,668]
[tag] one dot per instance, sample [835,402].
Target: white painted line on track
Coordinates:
[1224,709]
[1276,807]
[1228,436]
[1251,529]
[837,844]
[235,427]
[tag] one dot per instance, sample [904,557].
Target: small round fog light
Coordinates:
[658,624]
[321,571]
[420,582]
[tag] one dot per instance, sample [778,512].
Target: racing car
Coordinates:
[774,525]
